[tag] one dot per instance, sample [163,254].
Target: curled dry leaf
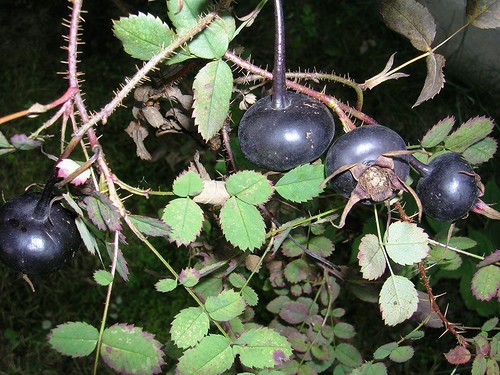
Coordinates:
[138,133]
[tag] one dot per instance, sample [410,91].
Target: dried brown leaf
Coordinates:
[434,81]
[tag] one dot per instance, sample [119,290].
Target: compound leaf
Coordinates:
[225,306]
[213,355]
[75,339]
[249,186]
[412,20]
[262,347]
[189,327]
[212,87]
[371,257]
[472,131]
[406,243]
[398,300]
[131,350]
[486,283]
[484,14]
[242,224]
[438,132]
[434,81]
[188,183]
[185,218]
[302,183]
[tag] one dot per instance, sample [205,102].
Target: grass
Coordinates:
[329,38]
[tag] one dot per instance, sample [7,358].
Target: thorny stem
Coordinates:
[339,107]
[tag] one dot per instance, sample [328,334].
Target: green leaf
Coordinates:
[189,327]
[489,324]
[398,300]
[24,143]
[474,130]
[76,339]
[88,239]
[144,35]
[412,20]
[189,277]
[479,365]
[188,183]
[348,355]
[103,212]
[212,87]
[302,183]
[150,226]
[385,350]
[225,306]
[242,224]
[486,283]
[250,296]
[121,263]
[371,257]
[297,270]
[213,355]
[185,218]
[249,186]
[103,277]
[438,132]
[262,347]
[406,243]
[166,285]
[4,143]
[321,246]
[481,152]
[129,349]
[402,354]
[344,330]
[213,41]
[370,368]
[484,14]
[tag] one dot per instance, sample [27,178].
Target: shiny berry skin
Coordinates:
[363,145]
[32,244]
[449,189]
[282,139]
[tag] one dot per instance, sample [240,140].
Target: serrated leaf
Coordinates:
[434,81]
[213,355]
[213,41]
[103,212]
[121,263]
[250,296]
[249,186]
[294,312]
[242,224]
[402,354]
[479,365]
[348,355]
[459,355]
[486,283]
[145,35]
[75,339]
[472,131]
[274,306]
[88,239]
[262,347]
[291,249]
[412,20]
[166,285]
[370,368]
[189,327]
[406,243]
[225,306]
[438,132]
[185,218]
[189,277]
[344,330]
[484,14]
[128,349]
[103,277]
[24,143]
[371,257]
[301,183]
[385,350]
[150,226]
[489,324]
[398,300]
[212,87]
[297,270]
[490,259]
[321,246]
[481,152]
[188,183]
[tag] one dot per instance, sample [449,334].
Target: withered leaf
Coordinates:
[484,14]
[434,81]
